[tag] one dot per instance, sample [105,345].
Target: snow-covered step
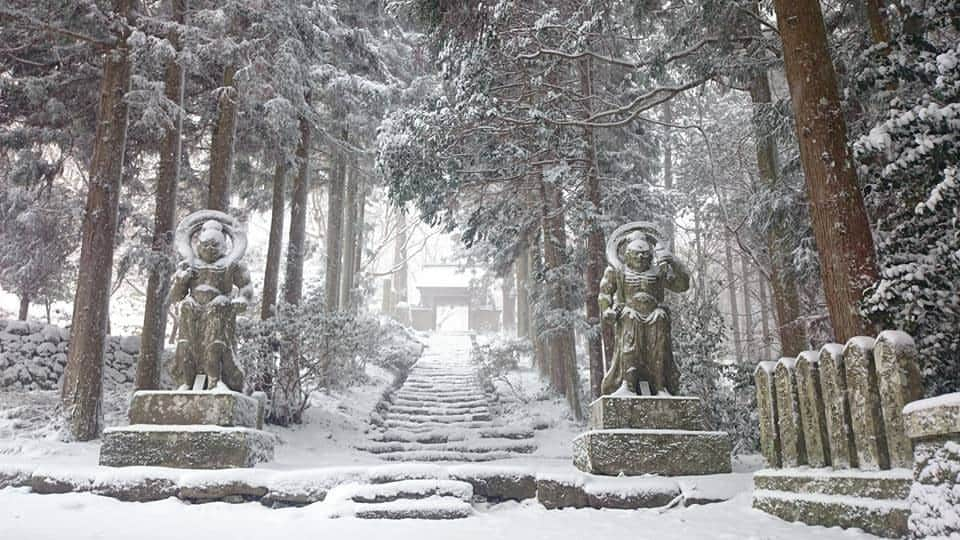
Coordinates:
[506,432]
[444,410]
[470,445]
[430,508]
[434,403]
[438,418]
[441,397]
[433,456]
[426,426]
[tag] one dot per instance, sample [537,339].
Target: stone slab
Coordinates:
[789,424]
[892,485]
[833,383]
[648,451]
[189,447]
[933,417]
[812,414]
[172,407]
[646,412]
[864,398]
[767,413]
[881,518]
[898,375]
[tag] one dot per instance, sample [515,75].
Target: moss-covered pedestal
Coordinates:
[190,429]
[635,435]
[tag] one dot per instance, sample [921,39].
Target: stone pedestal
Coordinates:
[635,435]
[189,429]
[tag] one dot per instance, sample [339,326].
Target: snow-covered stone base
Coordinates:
[666,452]
[934,426]
[190,447]
[875,501]
[221,408]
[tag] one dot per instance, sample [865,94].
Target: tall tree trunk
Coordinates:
[783,277]
[701,256]
[523,299]
[595,241]
[509,300]
[732,290]
[222,143]
[24,307]
[400,258]
[561,341]
[361,216]
[83,374]
[668,174]
[844,242]
[287,394]
[538,329]
[165,210]
[349,240]
[293,279]
[335,231]
[879,31]
[764,317]
[271,274]
[748,339]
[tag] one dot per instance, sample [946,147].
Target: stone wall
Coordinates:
[840,407]
[33,355]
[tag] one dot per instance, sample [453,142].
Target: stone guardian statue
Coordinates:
[631,299]
[213,286]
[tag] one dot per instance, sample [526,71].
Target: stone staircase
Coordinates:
[441,413]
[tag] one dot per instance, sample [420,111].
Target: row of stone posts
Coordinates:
[841,406]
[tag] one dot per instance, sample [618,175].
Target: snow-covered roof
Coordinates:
[446,276]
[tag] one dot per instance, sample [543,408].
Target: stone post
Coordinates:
[812,415]
[899,378]
[767,411]
[789,423]
[864,398]
[833,384]
[934,427]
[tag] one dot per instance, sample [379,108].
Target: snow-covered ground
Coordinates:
[84,516]
[336,425]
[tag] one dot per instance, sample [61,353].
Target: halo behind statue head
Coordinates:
[625,233]
[192,224]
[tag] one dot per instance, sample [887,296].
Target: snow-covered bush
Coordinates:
[328,350]
[910,160]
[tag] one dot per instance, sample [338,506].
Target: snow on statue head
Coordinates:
[211,244]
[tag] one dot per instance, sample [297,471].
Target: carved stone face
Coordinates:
[638,254]
[212,244]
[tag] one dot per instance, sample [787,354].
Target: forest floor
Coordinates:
[337,424]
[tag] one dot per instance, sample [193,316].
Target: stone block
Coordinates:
[135,487]
[891,485]
[833,384]
[649,451]
[554,493]
[864,398]
[898,376]
[812,415]
[767,412]
[646,412]
[499,486]
[190,447]
[887,520]
[171,407]
[933,417]
[792,448]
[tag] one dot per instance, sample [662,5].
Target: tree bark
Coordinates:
[24,307]
[840,226]
[508,301]
[783,277]
[668,173]
[560,342]
[764,318]
[400,258]
[523,302]
[876,18]
[748,339]
[334,232]
[271,274]
[83,374]
[732,290]
[293,279]
[222,143]
[165,210]
[287,394]
[361,216]
[595,241]
[349,240]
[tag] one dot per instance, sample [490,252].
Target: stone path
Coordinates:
[441,413]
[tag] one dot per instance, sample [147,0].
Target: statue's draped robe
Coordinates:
[643,349]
